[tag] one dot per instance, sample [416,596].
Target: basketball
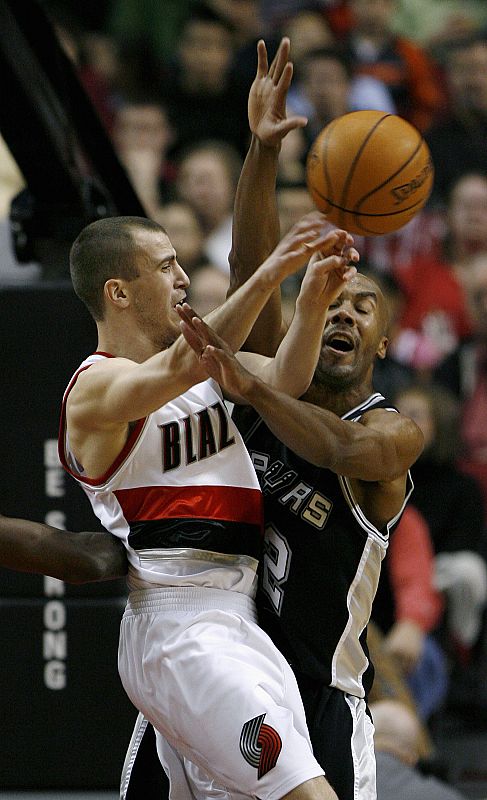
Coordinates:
[370,172]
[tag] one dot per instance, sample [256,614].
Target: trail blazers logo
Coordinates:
[260,745]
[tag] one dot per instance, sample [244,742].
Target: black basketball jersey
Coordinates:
[321,560]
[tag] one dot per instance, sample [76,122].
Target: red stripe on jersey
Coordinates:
[232,503]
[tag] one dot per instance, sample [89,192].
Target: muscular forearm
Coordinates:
[256,232]
[323,439]
[33,547]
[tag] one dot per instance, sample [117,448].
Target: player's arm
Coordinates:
[33,547]
[380,448]
[292,368]
[256,227]
[116,391]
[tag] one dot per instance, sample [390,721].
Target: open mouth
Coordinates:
[341,344]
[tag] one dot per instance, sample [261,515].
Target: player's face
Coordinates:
[353,335]
[161,285]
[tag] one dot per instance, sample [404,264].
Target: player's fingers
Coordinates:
[349,273]
[351,254]
[192,338]
[280,60]
[262,62]
[284,82]
[290,124]
[186,312]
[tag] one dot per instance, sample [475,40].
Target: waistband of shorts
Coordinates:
[189,598]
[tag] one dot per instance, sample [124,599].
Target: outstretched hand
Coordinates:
[215,357]
[310,235]
[329,269]
[268,118]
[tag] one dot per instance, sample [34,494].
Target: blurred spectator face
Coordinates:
[467,76]
[293,203]
[478,295]
[416,405]
[100,53]
[205,54]
[372,16]
[326,85]
[184,231]
[467,212]
[142,127]
[307,30]
[204,181]
[208,289]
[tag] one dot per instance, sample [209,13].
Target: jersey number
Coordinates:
[275,568]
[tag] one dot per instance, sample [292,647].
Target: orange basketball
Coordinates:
[370,172]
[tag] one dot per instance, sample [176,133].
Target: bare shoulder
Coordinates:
[97,376]
[93,386]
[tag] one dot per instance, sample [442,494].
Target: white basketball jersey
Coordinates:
[182,494]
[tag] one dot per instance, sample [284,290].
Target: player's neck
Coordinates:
[135,346]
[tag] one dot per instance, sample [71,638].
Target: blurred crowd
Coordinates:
[169,82]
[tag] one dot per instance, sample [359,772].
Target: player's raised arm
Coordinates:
[256,228]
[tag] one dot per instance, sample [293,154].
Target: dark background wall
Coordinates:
[65,720]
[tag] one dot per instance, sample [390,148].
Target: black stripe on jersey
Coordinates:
[231,538]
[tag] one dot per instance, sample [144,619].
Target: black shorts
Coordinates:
[342,743]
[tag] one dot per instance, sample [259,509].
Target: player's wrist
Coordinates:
[266,148]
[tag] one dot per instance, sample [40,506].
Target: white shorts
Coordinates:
[197,665]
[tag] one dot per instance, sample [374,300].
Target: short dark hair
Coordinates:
[327,53]
[105,249]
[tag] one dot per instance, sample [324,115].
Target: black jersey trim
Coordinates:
[375,400]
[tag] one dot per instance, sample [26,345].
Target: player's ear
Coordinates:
[115,293]
[382,349]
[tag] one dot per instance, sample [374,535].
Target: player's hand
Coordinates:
[268,119]
[309,235]
[329,270]
[197,332]
[214,355]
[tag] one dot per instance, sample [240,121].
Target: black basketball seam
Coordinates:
[390,178]
[348,179]
[366,213]
[367,232]
[325,156]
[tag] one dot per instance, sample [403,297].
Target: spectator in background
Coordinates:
[396,740]
[375,50]
[465,373]
[458,142]
[143,21]
[11,184]
[451,503]
[207,179]
[142,136]
[209,284]
[325,90]
[407,608]
[435,317]
[196,85]
[307,30]
[466,235]
[435,24]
